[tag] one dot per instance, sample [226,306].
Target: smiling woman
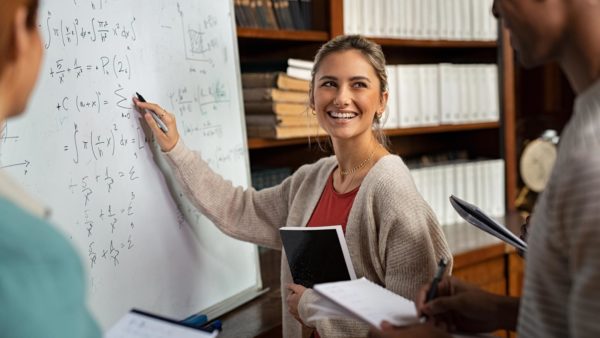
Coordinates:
[392,234]
[349,94]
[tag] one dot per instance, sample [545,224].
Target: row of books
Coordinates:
[276,103]
[478,182]
[274,14]
[421,19]
[429,95]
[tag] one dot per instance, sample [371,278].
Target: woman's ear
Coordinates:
[383,101]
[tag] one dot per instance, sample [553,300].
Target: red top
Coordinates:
[333,209]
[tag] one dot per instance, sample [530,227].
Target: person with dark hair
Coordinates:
[42,286]
[393,236]
[561,293]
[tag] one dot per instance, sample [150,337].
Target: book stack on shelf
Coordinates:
[274,14]
[276,106]
[480,182]
[421,19]
[300,69]
[430,95]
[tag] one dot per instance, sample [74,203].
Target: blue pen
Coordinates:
[157,119]
[196,320]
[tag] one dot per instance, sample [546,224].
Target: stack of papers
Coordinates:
[364,300]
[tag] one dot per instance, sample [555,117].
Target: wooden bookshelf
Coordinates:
[435,43]
[259,143]
[444,128]
[489,140]
[286,35]
[481,140]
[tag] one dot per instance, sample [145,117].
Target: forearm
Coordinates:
[240,213]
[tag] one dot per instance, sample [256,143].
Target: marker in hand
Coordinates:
[439,274]
[157,119]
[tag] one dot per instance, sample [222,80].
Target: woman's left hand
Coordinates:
[293,298]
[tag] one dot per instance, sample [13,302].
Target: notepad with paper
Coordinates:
[364,300]
[140,324]
[478,218]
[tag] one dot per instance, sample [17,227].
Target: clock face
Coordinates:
[537,161]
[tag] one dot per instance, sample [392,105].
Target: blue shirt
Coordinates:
[42,288]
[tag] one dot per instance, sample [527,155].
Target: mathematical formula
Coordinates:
[92,136]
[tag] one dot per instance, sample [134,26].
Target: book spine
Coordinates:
[300,63]
[306,10]
[296,14]
[257,80]
[271,14]
[299,73]
[287,15]
[240,18]
[258,9]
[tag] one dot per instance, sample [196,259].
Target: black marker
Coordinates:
[157,119]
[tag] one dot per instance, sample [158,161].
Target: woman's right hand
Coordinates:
[168,140]
[466,308]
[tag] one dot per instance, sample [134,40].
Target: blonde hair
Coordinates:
[8,9]
[374,55]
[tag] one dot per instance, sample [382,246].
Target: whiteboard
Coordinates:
[80,148]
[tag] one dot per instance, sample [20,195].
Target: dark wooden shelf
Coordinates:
[261,143]
[279,34]
[444,128]
[434,43]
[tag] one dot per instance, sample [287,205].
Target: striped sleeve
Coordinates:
[580,195]
[562,283]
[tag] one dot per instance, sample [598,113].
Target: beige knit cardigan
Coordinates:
[392,234]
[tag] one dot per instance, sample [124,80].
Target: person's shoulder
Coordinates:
[391,162]
[390,172]
[580,167]
[24,236]
[390,183]
[14,217]
[43,285]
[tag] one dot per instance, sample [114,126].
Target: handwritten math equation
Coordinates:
[96,30]
[115,66]
[93,66]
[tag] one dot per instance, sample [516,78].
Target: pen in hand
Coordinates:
[157,119]
[439,274]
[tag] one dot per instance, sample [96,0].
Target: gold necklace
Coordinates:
[359,166]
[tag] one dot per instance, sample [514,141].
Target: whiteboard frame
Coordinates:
[257,290]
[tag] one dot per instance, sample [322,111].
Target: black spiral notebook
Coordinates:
[317,254]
